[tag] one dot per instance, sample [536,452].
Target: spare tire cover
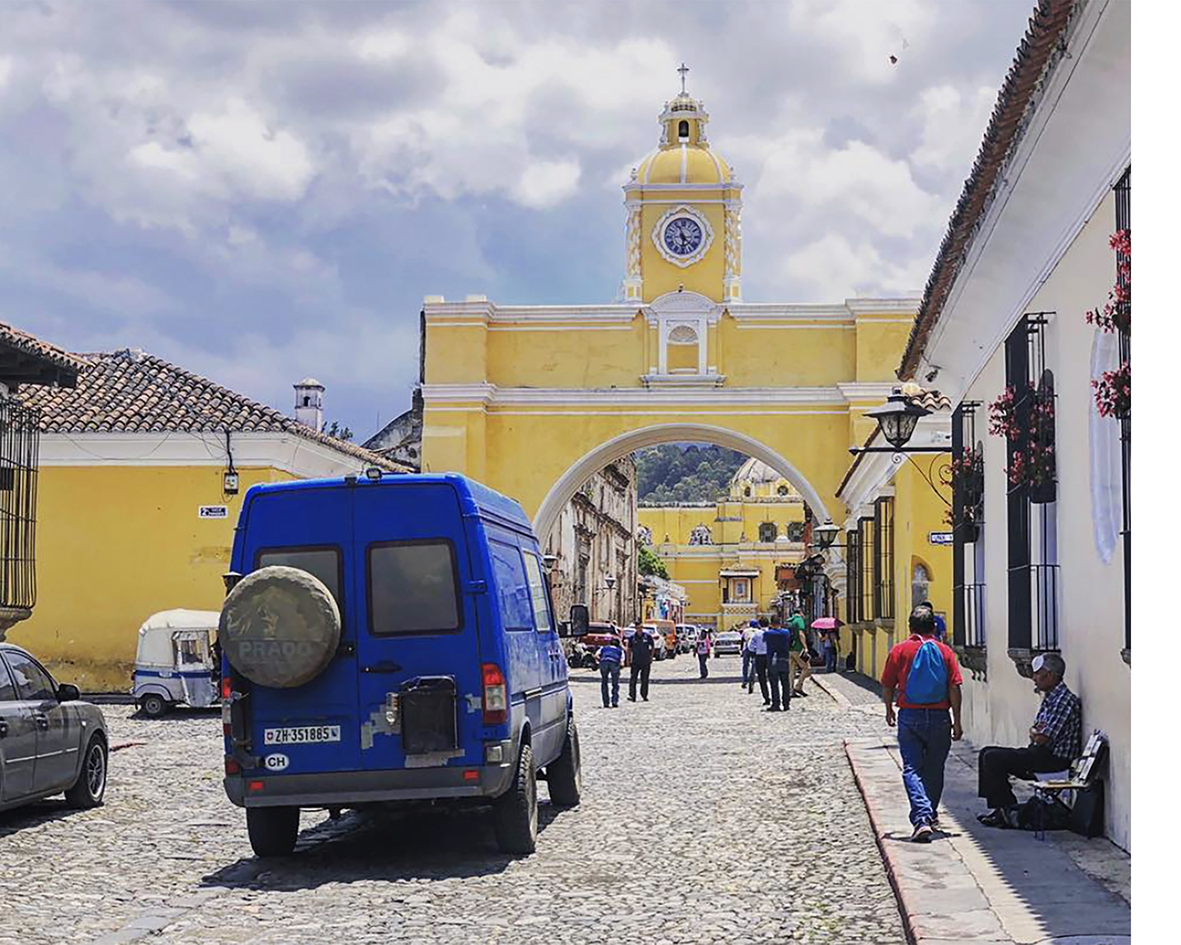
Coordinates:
[279,627]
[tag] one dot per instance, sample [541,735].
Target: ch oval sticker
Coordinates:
[277,762]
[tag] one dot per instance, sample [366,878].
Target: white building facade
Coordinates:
[1042,516]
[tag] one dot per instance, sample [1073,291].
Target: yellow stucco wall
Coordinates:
[116,544]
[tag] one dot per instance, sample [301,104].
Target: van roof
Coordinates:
[474,497]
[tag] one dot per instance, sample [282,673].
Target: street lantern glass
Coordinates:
[825,534]
[897,419]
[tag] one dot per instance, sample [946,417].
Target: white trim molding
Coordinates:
[286,452]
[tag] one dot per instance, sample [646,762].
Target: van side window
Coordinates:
[323,563]
[538,596]
[512,589]
[413,588]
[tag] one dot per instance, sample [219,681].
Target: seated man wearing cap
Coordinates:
[1055,740]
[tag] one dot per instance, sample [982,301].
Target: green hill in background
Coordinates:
[685,472]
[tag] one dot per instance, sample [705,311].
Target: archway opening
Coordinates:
[687,522]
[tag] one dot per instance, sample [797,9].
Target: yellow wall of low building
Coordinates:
[918,511]
[116,544]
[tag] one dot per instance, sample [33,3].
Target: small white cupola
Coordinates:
[309,403]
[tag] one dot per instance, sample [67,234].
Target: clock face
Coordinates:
[682,236]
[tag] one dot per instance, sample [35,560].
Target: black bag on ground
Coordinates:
[1086,817]
[1040,813]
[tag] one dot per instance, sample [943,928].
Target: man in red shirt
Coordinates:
[925,733]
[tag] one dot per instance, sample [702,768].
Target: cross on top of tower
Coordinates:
[684,70]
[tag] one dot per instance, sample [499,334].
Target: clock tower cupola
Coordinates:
[684,212]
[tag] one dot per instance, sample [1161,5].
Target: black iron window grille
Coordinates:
[853,577]
[1033,585]
[968,625]
[883,545]
[866,582]
[19,427]
[1123,221]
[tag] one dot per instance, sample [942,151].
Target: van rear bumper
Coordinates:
[353,788]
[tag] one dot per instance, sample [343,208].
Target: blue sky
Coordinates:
[261,191]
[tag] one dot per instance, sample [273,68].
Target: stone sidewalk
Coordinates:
[987,886]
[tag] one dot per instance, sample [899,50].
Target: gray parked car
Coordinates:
[50,741]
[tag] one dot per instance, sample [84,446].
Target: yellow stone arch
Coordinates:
[532,400]
[563,490]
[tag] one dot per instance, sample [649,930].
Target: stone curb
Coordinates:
[835,694]
[876,822]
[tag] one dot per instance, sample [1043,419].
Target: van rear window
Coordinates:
[413,588]
[323,563]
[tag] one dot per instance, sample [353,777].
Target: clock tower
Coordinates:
[684,209]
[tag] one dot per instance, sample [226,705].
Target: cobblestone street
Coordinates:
[703,819]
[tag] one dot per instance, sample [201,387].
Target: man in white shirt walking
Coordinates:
[757,646]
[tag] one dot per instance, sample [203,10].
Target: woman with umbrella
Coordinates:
[828,627]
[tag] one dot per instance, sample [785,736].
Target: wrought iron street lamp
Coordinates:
[898,418]
[824,535]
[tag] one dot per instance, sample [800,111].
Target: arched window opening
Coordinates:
[683,129]
[307,401]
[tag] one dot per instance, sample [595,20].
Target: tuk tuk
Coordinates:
[177,661]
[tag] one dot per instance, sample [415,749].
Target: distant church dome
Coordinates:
[753,472]
[684,155]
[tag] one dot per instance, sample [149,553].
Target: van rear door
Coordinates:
[309,729]
[419,683]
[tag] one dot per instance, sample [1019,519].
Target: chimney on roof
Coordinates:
[309,403]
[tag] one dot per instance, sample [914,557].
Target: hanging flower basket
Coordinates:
[967,481]
[1113,392]
[1026,420]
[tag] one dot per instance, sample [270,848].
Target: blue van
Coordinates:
[392,640]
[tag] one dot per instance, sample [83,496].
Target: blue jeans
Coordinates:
[924,739]
[830,657]
[609,670]
[748,666]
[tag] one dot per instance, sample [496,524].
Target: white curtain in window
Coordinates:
[1106,472]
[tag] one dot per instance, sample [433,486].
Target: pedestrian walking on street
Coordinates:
[778,643]
[610,659]
[758,649]
[801,664]
[829,648]
[748,658]
[641,647]
[704,646]
[926,676]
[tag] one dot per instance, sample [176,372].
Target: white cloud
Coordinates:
[232,154]
[864,33]
[547,183]
[835,268]
[953,126]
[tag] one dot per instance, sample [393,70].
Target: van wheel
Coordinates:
[515,811]
[564,776]
[91,785]
[272,830]
[153,706]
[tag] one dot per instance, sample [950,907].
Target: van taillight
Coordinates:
[495,695]
[226,687]
[232,766]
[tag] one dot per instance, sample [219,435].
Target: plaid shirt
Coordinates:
[1061,717]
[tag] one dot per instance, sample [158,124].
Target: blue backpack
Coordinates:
[927,680]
